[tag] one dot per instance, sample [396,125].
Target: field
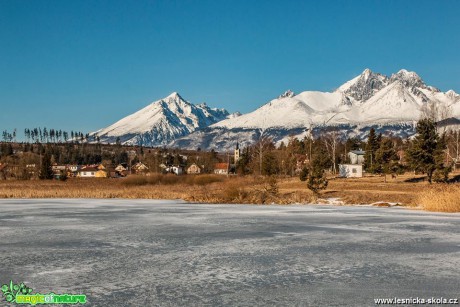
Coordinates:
[406,190]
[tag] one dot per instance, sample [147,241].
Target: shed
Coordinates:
[350,170]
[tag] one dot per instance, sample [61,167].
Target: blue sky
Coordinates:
[81,65]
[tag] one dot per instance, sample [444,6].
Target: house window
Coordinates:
[354,170]
[92,173]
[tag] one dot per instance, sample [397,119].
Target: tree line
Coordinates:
[310,158]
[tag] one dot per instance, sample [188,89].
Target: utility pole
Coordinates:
[228,163]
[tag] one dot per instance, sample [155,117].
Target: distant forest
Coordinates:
[432,152]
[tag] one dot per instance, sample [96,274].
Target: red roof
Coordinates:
[221,166]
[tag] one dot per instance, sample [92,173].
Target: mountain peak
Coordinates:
[366,73]
[409,78]
[287,93]
[407,74]
[174,95]
[364,86]
[162,121]
[452,94]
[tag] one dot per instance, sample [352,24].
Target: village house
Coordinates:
[59,170]
[87,172]
[73,168]
[221,168]
[356,156]
[355,168]
[139,168]
[193,169]
[31,170]
[92,172]
[174,169]
[120,171]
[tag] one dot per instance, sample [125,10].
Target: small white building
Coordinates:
[221,168]
[178,170]
[350,170]
[87,172]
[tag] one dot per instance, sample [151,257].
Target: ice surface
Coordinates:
[172,253]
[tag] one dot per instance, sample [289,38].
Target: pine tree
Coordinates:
[386,158]
[372,146]
[426,153]
[270,164]
[304,174]
[46,171]
[317,180]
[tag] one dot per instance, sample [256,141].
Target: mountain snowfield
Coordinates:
[161,122]
[392,105]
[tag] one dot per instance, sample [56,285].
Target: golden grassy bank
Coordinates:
[247,190]
[203,188]
[443,198]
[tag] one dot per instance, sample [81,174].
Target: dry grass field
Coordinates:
[406,190]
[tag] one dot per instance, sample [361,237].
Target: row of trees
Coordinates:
[53,135]
[428,152]
[311,157]
[45,135]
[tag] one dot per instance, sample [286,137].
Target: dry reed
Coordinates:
[440,198]
[245,190]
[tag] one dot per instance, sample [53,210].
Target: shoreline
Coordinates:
[215,189]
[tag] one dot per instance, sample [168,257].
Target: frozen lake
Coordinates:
[169,253]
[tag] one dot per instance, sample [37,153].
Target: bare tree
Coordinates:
[331,140]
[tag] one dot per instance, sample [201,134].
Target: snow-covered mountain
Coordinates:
[161,122]
[390,104]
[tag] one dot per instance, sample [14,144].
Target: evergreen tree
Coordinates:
[9,150]
[242,166]
[317,180]
[426,153]
[304,174]
[46,172]
[386,158]
[372,146]
[270,164]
